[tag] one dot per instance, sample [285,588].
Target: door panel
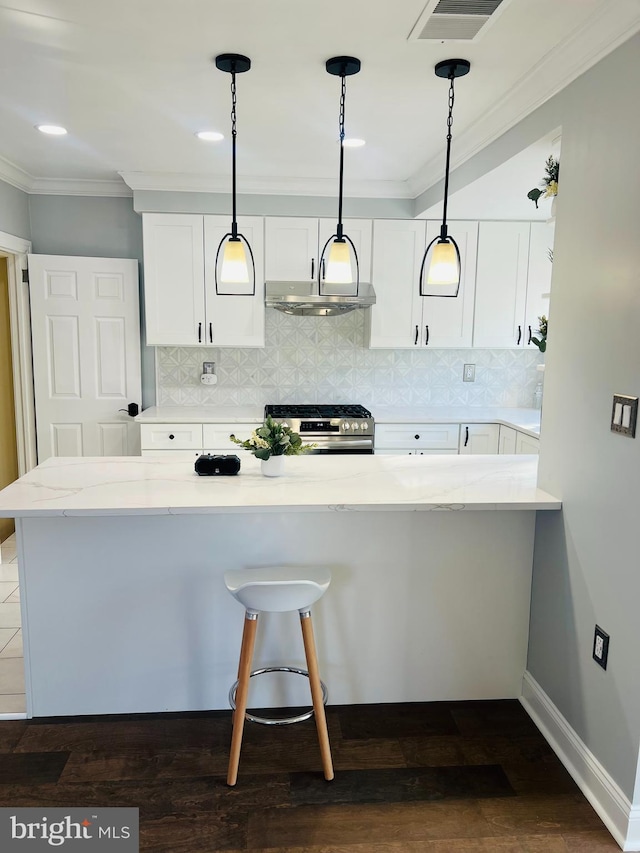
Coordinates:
[86,354]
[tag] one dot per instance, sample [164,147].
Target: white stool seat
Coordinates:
[278,588]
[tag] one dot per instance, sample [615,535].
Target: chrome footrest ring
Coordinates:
[277,721]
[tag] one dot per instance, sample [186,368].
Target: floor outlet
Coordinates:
[600,647]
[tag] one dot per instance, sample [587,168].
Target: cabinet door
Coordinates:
[291,248]
[360,232]
[448,321]
[539,277]
[217,436]
[479,438]
[398,246]
[507,440]
[527,444]
[501,284]
[234,321]
[173,279]
[417,437]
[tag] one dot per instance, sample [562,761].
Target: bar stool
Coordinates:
[277,589]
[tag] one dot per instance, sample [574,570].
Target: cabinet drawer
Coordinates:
[173,454]
[217,436]
[171,436]
[417,436]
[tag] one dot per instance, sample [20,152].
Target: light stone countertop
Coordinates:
[524,420]
[134,485]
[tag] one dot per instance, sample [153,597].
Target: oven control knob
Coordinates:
[364,425]
[346,425]
[354,426]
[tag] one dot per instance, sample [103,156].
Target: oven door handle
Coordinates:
[341,446]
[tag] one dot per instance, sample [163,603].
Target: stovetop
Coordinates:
[333,410]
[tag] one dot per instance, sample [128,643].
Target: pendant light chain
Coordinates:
[343,95]
[443,230]
[234,133]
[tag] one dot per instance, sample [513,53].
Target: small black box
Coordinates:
[209,466]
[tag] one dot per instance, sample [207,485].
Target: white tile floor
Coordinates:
[12,698]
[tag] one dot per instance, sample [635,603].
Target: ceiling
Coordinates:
[133,80]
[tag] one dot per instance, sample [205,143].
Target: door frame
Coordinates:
[15,250]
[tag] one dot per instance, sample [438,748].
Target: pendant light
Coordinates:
[339,265]
[441,276]
[234,258]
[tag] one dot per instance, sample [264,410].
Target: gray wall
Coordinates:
[14,211]
[586,560]
[99,228]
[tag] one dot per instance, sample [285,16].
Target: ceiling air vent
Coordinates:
[455,20]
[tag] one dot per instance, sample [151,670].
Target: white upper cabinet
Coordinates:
[173,279]
[539,277]
[447,321]
[234,320]
[403,318]
[396,318]
[181,304]
[293,246]
[501,284]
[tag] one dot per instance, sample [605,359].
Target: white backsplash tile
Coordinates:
[325,360]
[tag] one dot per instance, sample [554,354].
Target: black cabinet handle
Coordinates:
[416,436]
[426,335]
[519,335]
[313,266]
[529,341]
[466,438]
[172,436]
[416,340]
[210,333]
[199,333]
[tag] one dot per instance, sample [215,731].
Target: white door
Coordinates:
[86,355]
[234,320]
[290,248]
[447,321]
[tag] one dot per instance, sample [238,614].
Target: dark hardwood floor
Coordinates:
[459,777]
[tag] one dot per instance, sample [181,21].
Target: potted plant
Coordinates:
[541,331]
[549,183]
[271,443]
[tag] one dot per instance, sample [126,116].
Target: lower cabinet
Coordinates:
[507,439]
[479,438]
[416,438]
[513,441]
[527,444]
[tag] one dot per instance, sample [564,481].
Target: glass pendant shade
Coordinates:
[234,269]
[444,267]
[339,264]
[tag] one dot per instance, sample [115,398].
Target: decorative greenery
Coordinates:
[541,341]
[549,183]
[273,439]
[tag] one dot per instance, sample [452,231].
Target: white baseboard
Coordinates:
[605,795]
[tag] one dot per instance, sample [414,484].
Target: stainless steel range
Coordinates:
[335,428]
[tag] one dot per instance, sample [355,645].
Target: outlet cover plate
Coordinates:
[624,415]
[600,647]
[469,373]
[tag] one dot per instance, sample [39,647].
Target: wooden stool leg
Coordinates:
[316,694]
[242,693]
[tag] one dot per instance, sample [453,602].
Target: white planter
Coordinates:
[273,466]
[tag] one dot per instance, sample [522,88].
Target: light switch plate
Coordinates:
[624,415]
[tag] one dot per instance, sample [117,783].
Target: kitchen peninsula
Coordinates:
[124,609]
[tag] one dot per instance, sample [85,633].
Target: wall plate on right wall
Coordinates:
[624,415]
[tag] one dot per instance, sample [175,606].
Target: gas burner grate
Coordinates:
[335,410]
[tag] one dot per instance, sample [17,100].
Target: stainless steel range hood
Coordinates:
[301,298]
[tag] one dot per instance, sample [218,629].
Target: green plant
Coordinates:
[541,341]
[273,439]
[549,183]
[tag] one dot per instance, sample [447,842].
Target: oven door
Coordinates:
[343,444]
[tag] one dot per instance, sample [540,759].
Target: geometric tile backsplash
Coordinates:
[325,360]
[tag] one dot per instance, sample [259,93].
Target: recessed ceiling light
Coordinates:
[353,143]
[210,135]
[51,129]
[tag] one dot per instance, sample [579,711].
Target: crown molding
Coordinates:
[194,183]
[81,187]
[559,67]
[14,175]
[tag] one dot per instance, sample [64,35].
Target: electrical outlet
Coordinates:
[469,373]
[600,647]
